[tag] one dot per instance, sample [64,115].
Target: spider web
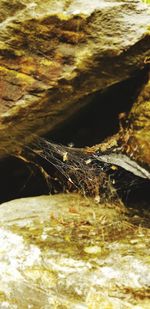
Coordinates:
[85,172]
[81,170]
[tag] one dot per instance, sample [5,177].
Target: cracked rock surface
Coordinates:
[55,54]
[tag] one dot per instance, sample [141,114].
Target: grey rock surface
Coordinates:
[66,251]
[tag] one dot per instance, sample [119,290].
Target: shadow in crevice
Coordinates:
[100,118]
[90,126]
[20,179]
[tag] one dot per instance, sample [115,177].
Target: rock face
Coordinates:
[133,138]
[137,135]
[65,251]
[55,54]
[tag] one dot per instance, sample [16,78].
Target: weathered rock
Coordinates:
[54,54]
[65,251]
[136,137]
[133,138]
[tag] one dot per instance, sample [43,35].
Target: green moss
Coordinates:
[146,1]
[3,297]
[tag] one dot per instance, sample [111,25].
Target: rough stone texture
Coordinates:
[137,136]
[54,54]
[133,138]
[66,251]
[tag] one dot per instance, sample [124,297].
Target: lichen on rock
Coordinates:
[66,250]
[54,54]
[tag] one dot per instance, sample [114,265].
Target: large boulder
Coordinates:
[55,54]
[66,251]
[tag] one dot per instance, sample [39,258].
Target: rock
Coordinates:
[66,251]
[136,138]
[55,54]
[133,138]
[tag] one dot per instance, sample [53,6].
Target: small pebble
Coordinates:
[92,249]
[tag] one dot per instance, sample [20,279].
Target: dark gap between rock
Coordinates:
[95,122]
[100,119]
